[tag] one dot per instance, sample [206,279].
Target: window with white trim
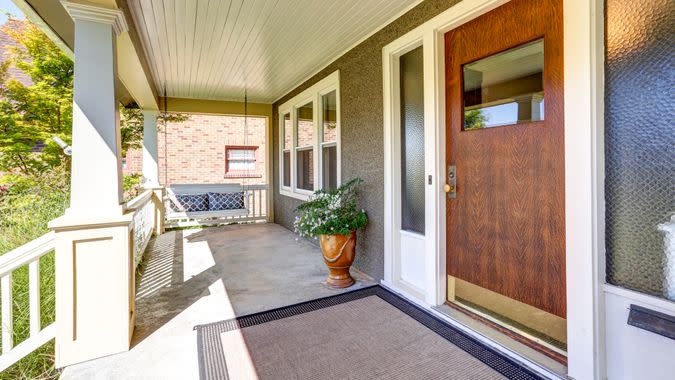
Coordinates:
[240,161]
[309,135]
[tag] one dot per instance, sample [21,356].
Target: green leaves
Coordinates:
[30,114]
[131,125]
[330,212]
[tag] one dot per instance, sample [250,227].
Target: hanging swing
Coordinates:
[209,204]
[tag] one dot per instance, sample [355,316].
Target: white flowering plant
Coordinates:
[331,212]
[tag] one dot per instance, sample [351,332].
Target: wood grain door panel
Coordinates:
[506,228]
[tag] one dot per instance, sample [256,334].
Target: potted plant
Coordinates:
[333,216]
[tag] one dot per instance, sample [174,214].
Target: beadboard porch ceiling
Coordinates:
[213,49]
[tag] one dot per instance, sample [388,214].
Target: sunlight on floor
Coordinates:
[197,256]
[158,267]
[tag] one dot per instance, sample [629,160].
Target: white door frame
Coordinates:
[584,169]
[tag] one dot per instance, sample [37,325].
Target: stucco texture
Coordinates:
[361,110]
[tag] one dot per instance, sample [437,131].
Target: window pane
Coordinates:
[305,166]
[241,154]
[506,88]
[329,161]
[305,116]
[412,141]
[329,116]
[287,168]
[288,131]
[241,166]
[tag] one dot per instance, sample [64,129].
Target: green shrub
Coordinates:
[26,207]
[330,212]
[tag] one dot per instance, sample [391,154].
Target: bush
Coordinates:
[132,186]
[26,207]
[330,212]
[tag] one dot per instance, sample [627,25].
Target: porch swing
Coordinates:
[209,204]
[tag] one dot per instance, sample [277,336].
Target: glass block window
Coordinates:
[505,88]
[412,141]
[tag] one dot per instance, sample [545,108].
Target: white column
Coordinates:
[150,161]
[93,241]
[96,182]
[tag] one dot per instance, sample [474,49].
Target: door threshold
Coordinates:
[505,344]
[513,332]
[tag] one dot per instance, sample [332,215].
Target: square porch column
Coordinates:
[94,238]
[151,166]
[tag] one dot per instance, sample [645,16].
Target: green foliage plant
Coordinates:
[331,212]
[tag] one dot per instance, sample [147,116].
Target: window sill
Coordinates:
[237,175]
[289,193]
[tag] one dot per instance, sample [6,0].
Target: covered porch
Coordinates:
[198,276]
[349,89]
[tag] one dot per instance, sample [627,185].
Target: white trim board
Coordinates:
[584,202]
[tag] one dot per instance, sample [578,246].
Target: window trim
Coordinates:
[314,95]
[236,174]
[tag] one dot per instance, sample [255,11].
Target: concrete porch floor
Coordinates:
[197,276]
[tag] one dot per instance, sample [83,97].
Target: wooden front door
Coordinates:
[506,222]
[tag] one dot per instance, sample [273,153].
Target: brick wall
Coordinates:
[193,151]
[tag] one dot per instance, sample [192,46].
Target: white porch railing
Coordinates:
[257,202]
[145,213]
[28,254]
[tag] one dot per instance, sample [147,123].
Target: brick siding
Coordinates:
[196,150]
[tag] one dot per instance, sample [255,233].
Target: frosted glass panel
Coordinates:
[412,141]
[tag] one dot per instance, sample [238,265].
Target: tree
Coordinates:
[474,119]
[131,125]
[31,114]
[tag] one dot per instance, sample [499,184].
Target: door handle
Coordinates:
[451,184]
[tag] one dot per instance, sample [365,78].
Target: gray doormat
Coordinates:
[369,333]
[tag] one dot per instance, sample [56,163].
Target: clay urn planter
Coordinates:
[338,254]
[333,216]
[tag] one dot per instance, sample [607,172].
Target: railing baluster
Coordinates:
[34,296]
[7,319]
[253,208]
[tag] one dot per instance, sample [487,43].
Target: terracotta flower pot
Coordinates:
[338,254]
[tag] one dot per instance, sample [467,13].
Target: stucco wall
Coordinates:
[362,130]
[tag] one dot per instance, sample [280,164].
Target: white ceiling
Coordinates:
[212,49]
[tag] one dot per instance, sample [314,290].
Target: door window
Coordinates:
[505,88]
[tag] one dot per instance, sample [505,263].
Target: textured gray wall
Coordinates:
[362,130]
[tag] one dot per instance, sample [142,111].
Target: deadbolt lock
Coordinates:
[451,186]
